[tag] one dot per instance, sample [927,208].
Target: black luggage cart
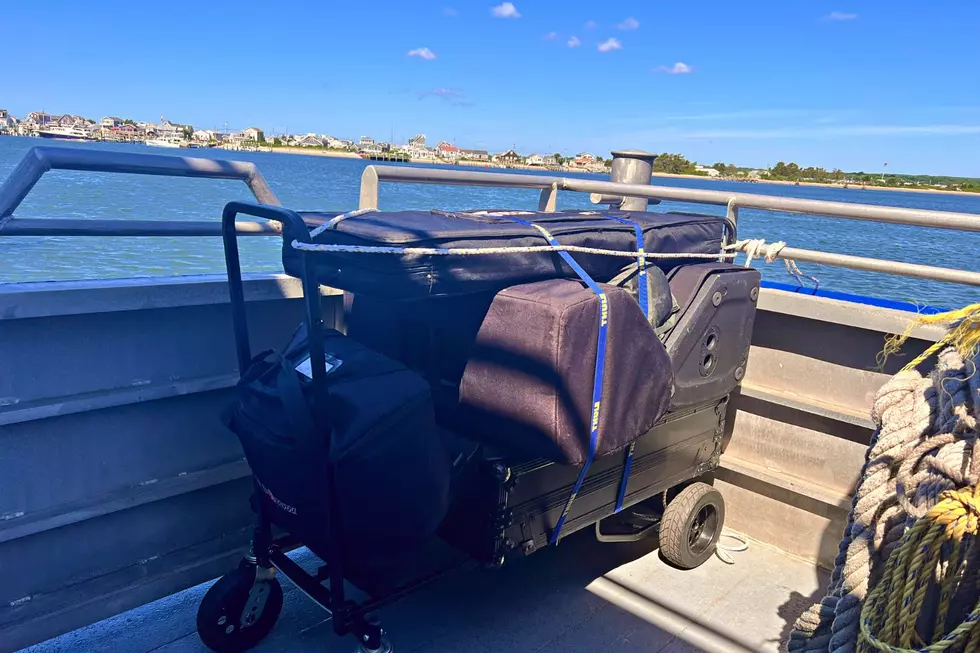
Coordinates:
[503,508]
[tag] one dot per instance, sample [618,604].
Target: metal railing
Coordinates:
[629,166]
[40,160]
[607,192]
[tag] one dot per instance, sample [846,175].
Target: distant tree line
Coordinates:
[677,164]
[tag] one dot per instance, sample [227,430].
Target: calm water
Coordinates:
[310,182]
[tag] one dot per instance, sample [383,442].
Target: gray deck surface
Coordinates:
[580,597]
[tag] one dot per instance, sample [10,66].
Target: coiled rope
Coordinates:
[895,584]
[929,559]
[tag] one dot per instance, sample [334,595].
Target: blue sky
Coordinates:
[847,84]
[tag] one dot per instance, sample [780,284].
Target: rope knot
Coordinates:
[959,511]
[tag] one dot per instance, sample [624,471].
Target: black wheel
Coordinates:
[691,525]
[239,610]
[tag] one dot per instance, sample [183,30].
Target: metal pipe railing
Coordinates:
[40,160]
[607,192]
[80,227]
[847,210]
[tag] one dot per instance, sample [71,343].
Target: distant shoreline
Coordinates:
[820,184]
[666,175]
[310,151]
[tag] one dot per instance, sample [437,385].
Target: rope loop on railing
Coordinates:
[755,247]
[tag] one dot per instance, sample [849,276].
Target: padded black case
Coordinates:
[405,276]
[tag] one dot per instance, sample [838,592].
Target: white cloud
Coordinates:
[609,45]
[505,10]
[574,42]
[551,36]
[629,23]
[453,96]
[449,11]
[679,68]
[422,53]
[591,24]
[840,15]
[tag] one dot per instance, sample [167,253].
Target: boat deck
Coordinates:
[582,596]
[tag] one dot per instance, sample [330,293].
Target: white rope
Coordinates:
[754,247]
[724,551]
[332,223]
[488,251]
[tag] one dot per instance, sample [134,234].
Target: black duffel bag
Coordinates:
[389,465]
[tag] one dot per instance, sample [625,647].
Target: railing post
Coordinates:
[632,167]
[369,189]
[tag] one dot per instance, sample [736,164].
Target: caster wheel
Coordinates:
[386,647]
[239,610]
[691,526]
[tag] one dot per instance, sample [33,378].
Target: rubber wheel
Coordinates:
[219,615]
[691,526]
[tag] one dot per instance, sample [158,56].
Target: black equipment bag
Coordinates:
[516,370]
[388,463]
[408,276]
[528,384]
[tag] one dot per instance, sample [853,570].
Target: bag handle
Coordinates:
[290,392]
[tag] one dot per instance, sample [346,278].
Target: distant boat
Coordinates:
[66,134]
[166,142]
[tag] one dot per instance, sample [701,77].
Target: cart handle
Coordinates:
[291,222]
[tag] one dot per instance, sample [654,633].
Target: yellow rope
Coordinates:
[964,335]
[892,610]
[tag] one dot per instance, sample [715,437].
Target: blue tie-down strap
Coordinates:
[644,301]
[642,291]
[600,366]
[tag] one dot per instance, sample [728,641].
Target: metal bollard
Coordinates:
[632,167]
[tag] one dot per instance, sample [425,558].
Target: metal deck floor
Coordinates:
[580,597]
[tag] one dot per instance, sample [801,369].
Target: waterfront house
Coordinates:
[338,143]
[367,145]
[420,153]
[206,135]
[110,121]
[7,122]
[550,161]
[249,135]
[34,121]
[125,132]
[169,130]
[584,160]
[474,155]
[417,141]
[535,160]
[309,140]
[705,170]
[447,151]
[69,120]
[253,134]
[510,157]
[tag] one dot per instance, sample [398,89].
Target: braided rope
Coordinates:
[923,563]
[925,449]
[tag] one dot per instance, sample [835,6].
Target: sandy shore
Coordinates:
[309,151]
